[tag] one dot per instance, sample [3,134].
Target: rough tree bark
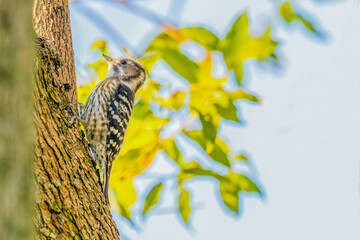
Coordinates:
[69,203]
[15,120]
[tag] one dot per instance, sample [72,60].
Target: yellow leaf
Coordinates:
[85,90]
[100,66]
[130,163]
[148,61]
[99,44]
[289,15]
[125,196]
[238,45]
[176,100]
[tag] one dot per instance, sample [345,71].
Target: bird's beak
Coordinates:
[109,59]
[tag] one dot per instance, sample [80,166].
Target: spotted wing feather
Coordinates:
[118,114]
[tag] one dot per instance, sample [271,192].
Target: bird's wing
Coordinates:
[118,115]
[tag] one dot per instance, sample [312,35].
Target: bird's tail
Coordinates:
[105,185]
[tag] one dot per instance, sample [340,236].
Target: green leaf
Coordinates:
[199,171]
[238,71]
[229,193]
[241,157]
[180,63]
[168,50]
[289,15]
[172,150]
[148,61]
[162,40]
[228,112]
[216,149]
[246,183]
[191,169]
[196,135]
[208,127]
[241,94]
[125,212]
[184,204]
[219,156]
[231,184]
[242,181]
[141,111]
[152,197]
[200,35]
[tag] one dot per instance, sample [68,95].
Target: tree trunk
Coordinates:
[15,120]
[69,203]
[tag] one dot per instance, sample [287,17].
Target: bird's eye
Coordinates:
[123,62]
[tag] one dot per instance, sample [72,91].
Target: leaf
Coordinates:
[171,150]
[85,90]
[229,193]
[241,157]
[233,43]
[196,135]
[184,204]
[219,152]
[200,35]
[176,100]
[216,149]
[148,61]
[101,67]
[128,52]
[180,63]
[228,112]
[246,184]
[238,46]
[241,94]
[242,181]
[289,15]
[99,44]
[195,169]
[162,40]
[231,184]
[238,71]
[147,94]
[152,198]
[191,169]
[204,77]
[220,156]
[142,143]
[208,127]
[167,48]
[123,201]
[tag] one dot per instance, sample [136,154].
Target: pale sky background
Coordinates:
[304,139]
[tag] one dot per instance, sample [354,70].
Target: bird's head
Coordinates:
[128,70]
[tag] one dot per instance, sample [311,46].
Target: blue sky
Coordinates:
[304,139]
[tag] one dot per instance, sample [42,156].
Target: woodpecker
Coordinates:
[107,111]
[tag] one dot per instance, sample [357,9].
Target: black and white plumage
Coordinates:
[107,111]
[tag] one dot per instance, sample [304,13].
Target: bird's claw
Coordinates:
[73,119]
